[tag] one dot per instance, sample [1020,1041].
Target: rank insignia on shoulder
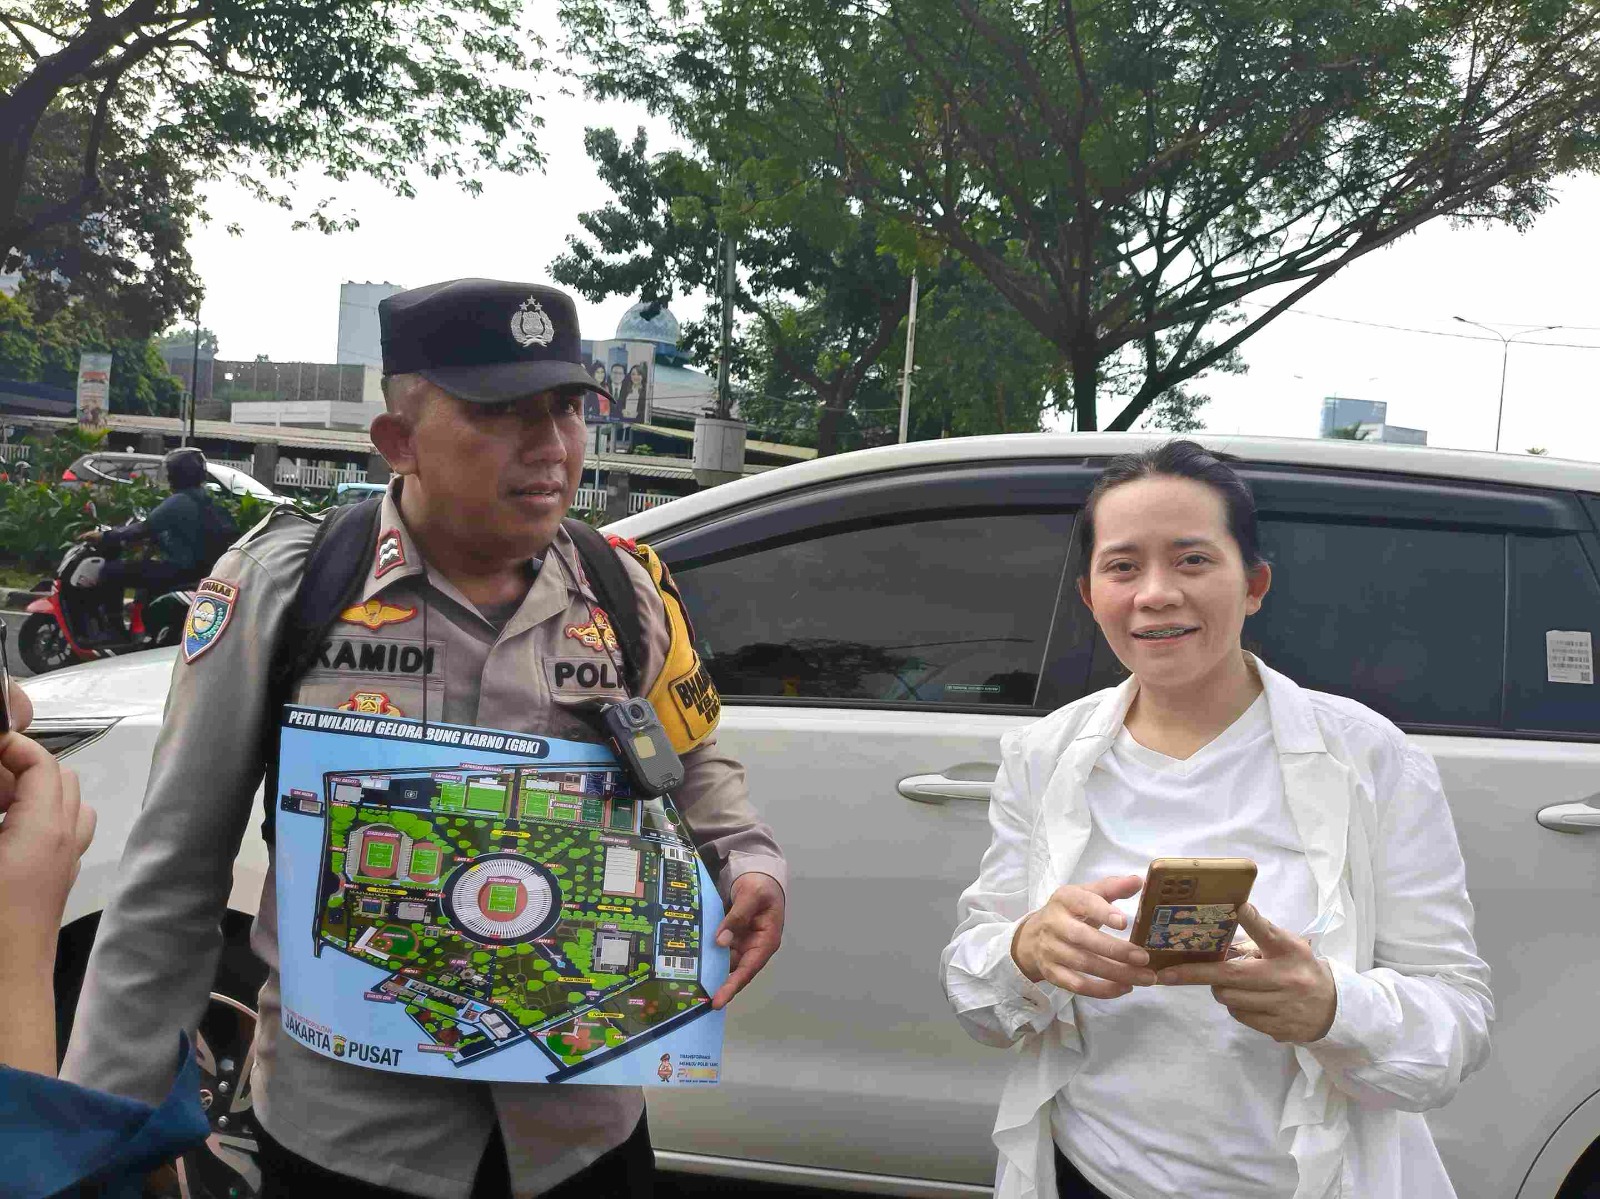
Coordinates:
[391,554]
[374,614]
[597,635]
[208,616]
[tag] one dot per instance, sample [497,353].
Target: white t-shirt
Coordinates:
[1175,1097]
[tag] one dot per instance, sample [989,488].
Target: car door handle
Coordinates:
[1571,817]
[937,788]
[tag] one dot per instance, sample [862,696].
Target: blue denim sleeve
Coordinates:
[55,1135]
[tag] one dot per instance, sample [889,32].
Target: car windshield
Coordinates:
[238,482]
[355,494]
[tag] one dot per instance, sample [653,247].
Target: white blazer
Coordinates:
[1393,921]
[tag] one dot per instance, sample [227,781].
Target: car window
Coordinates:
[237,482]
[1555,601]
[1409,621]
[951,611]
[112,468]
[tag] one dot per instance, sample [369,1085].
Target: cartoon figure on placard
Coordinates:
[664,1070]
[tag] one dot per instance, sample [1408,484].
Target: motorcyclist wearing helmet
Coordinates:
[184,527]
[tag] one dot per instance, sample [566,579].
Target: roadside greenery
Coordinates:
[39,520]
[114,117]
[1147,183]
[42,335]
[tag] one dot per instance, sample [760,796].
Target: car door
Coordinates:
[1430,601]
[871,640]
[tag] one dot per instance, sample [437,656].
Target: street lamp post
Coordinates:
[1505,355]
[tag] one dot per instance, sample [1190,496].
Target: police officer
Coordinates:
[473,575]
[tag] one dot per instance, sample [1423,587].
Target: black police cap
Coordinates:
[485,340]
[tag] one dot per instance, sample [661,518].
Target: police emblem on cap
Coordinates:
[530,326]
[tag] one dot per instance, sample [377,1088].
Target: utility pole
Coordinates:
[724,409]
[905,379]
[194,378]
[1505,356]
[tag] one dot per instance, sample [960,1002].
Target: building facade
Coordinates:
[1340,412]
[1369,419]
[359,342]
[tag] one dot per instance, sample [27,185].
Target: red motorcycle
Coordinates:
[61,629]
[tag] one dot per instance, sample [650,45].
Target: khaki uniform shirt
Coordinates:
[412,641]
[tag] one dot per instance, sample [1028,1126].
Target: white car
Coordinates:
[876,620]
[107,467]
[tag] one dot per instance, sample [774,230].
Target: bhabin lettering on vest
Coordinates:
[695,696]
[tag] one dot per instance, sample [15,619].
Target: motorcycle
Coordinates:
[57,631]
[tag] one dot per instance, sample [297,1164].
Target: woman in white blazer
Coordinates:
[1300,1068]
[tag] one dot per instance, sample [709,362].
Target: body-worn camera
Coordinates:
[642,746]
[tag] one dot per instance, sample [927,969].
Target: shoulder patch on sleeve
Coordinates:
[208,616]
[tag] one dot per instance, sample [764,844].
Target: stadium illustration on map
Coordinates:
[542,903]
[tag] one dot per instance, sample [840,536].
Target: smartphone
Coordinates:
[5,683]
[1190,907]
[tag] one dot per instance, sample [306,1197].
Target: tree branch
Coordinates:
[28,47]
[89,185]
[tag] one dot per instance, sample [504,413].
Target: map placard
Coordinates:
[471,903]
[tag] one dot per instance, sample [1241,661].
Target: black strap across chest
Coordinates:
[336,568]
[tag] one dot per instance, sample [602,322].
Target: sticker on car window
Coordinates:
[1569,657]
[1191,928]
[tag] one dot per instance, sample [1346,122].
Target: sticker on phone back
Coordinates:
[1191,928]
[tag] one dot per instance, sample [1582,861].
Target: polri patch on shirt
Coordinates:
[374,614]
[208,616]
[391,554]
[582,678]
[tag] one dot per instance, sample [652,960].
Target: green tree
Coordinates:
[112,115]
[36,350]
[979,367]
[181,340]
[1127,172]
[664,234]
[1349,433]
[126,254]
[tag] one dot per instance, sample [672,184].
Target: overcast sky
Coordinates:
[276,292]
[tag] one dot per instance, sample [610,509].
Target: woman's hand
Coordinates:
[1282,989]
[1061,942]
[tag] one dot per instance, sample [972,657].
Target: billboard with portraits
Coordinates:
[625,369]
